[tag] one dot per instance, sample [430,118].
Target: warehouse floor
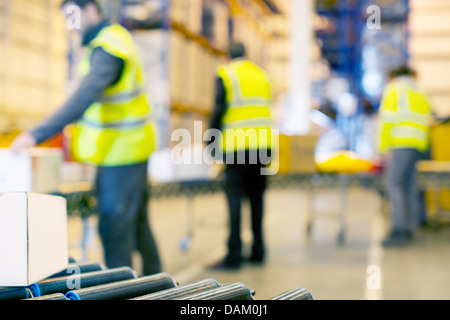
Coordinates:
[356,269]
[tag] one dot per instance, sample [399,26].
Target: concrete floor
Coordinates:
[356,269]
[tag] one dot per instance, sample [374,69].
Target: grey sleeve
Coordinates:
[105,71]
[220,105]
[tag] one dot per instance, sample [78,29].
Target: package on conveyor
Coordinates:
[33,237]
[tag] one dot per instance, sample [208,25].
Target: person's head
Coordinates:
[237,50]
[81,15]
[403,71]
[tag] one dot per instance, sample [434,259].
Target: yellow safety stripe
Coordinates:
[405,132]
[122,124]
[238,100]
[122,97]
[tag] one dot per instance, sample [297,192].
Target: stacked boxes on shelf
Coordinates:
[220,28]
[176,62]
[187,13]
[193,58]
[33,42]
[430,50]
[3,66]
[197,47]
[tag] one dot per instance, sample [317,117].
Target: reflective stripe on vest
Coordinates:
[407,132]
[116,125]
[239,101]
[119,98]
[249,123]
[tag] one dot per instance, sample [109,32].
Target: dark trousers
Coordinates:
[122,195]
[408,209]
[245,181]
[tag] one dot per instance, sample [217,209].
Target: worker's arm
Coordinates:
[387,118]
[105,71]
[220,105]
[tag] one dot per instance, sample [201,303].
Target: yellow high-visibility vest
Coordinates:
[247,123]
[117,130]
[404,118]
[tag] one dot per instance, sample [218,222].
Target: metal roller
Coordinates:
[15,293]
[83,280]
[295,294]
[124,290]
[50,297]
[82,267]
[180,292]
[237,291]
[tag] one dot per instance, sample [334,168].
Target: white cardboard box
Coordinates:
[35,171]
[33,237]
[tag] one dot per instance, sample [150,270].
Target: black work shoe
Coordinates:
[257,258]
[397,239]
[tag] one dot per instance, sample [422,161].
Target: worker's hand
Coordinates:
[23,142]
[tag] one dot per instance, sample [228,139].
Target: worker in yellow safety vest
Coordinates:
[404,127]
[243,115]
[113,131]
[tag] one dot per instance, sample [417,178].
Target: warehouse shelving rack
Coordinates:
[344,44]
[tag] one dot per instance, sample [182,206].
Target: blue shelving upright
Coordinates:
[360,55]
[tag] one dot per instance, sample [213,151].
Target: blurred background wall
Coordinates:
[34,67]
